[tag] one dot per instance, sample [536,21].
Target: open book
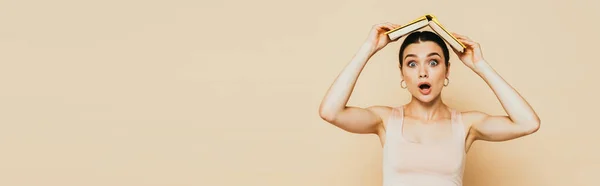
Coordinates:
[434,24]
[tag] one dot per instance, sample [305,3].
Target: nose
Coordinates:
[423,73]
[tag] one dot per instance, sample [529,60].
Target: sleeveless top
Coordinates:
[407,163]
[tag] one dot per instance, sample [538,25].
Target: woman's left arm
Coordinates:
[521,120]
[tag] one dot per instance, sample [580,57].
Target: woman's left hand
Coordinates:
[472,53]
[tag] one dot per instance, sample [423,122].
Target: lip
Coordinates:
[423,83]
[424,91]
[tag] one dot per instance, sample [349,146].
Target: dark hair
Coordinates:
[421,36]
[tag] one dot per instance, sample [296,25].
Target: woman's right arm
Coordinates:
[334,109]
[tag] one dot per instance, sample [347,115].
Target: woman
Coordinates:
[425,141]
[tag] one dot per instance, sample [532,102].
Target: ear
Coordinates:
[448,70]
[401,73]
[400,69]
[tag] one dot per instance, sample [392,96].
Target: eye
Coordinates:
[433,62]
[411,64]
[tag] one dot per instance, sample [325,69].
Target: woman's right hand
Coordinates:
[377,38]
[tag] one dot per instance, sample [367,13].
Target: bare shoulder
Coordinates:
[360,120]
[469,118]
[487,127]
[383,112]
[473,116]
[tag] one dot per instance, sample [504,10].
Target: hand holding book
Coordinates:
[472,53]
[467,50]
[434,24]
[378,38]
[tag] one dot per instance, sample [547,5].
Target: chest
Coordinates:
[428,133]
[417,147]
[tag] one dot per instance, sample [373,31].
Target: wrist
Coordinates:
[481,67]
[368,48]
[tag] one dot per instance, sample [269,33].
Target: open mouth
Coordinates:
[425,88]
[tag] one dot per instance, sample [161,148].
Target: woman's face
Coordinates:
[423,70]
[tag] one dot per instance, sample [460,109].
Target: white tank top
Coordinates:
[407,163]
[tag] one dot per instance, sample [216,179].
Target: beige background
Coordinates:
[224,93]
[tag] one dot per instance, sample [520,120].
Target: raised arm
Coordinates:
[521,119]
[334,108]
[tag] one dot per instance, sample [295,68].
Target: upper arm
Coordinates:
[496,128]
[359,120]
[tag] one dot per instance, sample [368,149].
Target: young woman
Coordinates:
[425,141]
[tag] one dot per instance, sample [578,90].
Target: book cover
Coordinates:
[423,21]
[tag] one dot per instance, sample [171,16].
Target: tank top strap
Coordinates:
[400,112]
[457,124]
[397,114]
[395,119]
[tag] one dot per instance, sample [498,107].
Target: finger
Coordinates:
[383,26]
[456,52]
[390,25]
[458,36]
[470,43]
[379,25]
[462,36]
[467,41]
[384,23]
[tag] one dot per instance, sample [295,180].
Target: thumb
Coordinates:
[457,52]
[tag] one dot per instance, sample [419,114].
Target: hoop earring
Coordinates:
[404,87]
[446,84]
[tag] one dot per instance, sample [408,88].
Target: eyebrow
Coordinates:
[433,54]
[430,54]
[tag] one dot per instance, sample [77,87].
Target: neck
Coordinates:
[428,111]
